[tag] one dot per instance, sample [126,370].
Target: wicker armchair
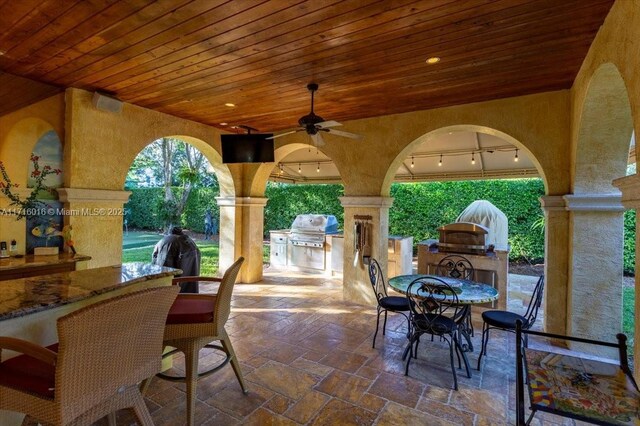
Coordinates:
[104,351]
[196,320]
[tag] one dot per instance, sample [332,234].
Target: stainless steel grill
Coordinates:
[307,240]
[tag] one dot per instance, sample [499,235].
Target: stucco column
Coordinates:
[241,234]
[356,283]
[596,242]
[96,216]
[556,265]
[630,188]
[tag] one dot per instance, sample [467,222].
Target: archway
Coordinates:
[603,134]
[299,166]
[472,153]
[227,232]
[15,150]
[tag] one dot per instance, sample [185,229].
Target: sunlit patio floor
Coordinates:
[307,357]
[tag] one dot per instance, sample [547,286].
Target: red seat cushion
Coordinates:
[28,374]
[191,311]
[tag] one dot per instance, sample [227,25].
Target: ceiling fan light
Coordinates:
[230,105]
[433,60]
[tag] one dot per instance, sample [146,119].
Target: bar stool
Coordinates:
[196,320]
[104,351]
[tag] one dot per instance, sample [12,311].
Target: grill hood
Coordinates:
[315,223]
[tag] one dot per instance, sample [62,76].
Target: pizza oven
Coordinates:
[463,237]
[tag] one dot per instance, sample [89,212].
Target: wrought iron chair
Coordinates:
[593,391]
[455,266]
[459,267]
[433,306]
[505,320]
[104,351]
[386,303]
[196,320]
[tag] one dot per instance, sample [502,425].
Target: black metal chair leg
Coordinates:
[483,345]
[407,351]
[384,326]
[464,358]
[453,368]
[376,333]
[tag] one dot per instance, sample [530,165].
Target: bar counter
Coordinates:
[30,265]
[26,296]
[29,307]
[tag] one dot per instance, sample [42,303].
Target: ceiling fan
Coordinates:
[314,125]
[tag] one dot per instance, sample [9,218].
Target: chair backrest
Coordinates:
[108,345]
[377,279]
[431,299]
[223,297]
[455,266]
[534,303]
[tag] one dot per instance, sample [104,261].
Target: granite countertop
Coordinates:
[25,296]
[7,264]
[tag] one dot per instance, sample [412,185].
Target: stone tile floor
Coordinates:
[307,358]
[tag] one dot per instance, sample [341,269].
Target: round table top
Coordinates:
[471,292]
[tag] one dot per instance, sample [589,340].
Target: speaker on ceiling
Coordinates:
[104,102]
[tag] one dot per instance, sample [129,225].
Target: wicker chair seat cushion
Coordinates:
[191,311]
[27,374]
[502,319]
[395,303]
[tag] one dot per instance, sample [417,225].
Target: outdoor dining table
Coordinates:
[469,293]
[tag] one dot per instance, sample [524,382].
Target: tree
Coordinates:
[177,167]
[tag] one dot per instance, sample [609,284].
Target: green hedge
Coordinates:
[287,201]
[418,210]
[142,208]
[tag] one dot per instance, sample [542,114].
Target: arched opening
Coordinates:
[26,137]
[603,136]
[446,170]
[176,180]
[304,180]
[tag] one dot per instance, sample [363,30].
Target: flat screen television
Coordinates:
[247,148]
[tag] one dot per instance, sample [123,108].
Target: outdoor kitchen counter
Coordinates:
[29,307]
[31,266]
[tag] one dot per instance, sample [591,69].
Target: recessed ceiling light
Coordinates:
[229,104]
[223,124]
[433,60]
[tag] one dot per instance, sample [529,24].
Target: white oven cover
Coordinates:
[486,214]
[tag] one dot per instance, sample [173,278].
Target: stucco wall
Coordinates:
[100,147]
[617,44]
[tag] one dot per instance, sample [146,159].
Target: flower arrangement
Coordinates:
[39,175]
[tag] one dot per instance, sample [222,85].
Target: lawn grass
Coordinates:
[628,309]
[138,247]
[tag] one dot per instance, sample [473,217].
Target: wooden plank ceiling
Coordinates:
[190,57]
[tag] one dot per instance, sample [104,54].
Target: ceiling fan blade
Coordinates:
[329,123]
[317,139]
[285,133]
[345,134]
